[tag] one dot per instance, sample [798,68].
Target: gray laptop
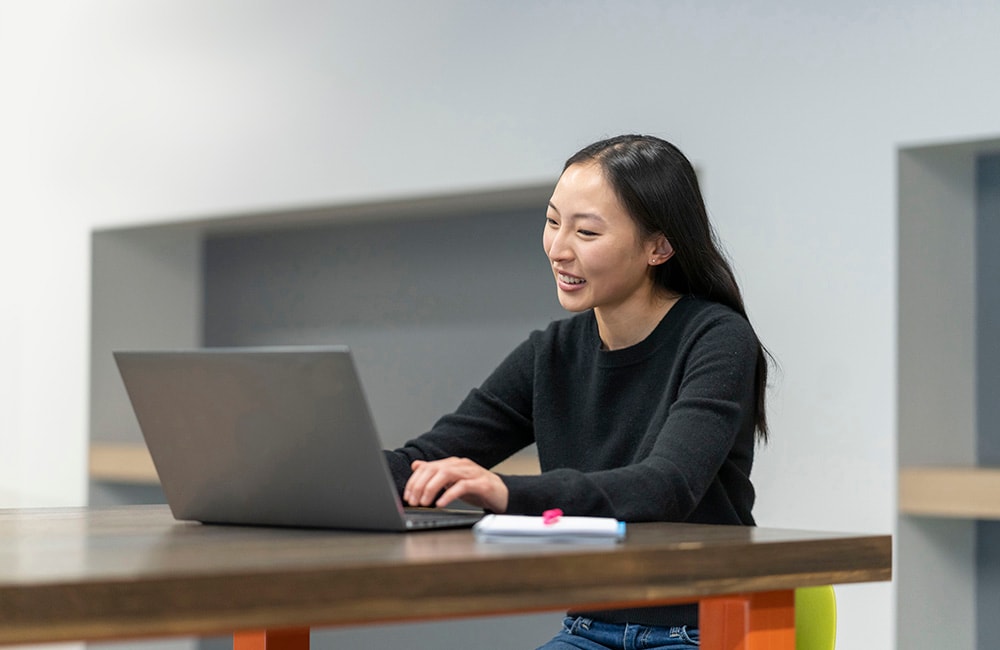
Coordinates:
[268,436]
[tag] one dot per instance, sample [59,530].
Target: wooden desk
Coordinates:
[85,574]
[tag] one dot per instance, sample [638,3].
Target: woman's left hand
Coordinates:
[439,482]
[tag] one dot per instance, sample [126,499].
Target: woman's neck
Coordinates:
[625,325]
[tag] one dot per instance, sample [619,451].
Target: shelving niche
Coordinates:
[429,291]
[948,535]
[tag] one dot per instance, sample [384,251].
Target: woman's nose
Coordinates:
[556,247]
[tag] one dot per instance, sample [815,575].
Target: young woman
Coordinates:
[644,406]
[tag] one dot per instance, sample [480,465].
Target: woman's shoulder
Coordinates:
[696,308]
[700,315]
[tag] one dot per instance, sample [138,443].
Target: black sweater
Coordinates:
[659,431]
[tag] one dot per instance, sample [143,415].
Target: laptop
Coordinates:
[278,436]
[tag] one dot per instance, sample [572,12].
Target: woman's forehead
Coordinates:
[583,189]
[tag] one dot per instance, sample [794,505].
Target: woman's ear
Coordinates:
[662,250]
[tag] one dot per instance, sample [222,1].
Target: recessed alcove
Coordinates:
[948,541]
[429,292]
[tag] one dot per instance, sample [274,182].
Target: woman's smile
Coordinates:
[569,282]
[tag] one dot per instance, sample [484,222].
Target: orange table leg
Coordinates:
[755,621]
[287,639]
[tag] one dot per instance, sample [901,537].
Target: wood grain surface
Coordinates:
[86,574]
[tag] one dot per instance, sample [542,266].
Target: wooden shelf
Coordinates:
[130,463]
[122,463]
[523,463]
[953,492]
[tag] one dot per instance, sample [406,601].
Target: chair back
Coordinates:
[815,618]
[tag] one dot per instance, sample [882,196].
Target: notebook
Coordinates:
[278,436]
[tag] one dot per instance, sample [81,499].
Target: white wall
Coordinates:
[122,112]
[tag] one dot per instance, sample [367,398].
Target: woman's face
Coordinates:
[599,259]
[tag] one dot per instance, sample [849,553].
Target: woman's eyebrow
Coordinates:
[581,215]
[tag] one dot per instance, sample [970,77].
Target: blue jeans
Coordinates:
[585,634]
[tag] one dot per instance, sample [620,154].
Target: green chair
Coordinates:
[815,618]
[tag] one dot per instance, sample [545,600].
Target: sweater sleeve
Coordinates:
[491,424]
[694,453]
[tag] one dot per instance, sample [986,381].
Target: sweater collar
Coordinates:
[635,353]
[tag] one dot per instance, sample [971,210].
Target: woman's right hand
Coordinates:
[438,483]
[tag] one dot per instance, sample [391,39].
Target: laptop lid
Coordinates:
[277,436]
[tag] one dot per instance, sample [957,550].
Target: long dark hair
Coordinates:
[658,187]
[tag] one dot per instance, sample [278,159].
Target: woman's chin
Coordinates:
[572,304]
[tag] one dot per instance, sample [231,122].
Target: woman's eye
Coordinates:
[587,233]
[550,221]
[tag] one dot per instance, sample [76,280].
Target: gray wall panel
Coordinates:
[988,308]
[988,585]
[429,307]
[988,389]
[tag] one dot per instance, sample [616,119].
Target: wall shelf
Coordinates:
[956,492]
[122,463]
[131,464]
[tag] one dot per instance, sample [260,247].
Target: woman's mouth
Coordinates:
[571,280]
